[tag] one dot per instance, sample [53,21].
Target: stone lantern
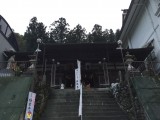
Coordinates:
[129,59]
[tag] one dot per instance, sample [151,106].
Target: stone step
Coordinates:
[62,106]
[65,99]
[63,96]
[100,106]
[96,93]
[63,102]
[84,98]
[102,110]
[88,114]
[116,117]
[87,118]
[102,113]
[85,108]
[99,96]
[64,91]
[109,100]
[60,114]
[61,118]
[60,109]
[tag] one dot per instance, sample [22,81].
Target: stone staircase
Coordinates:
[100,105]
[97,105]
[62,105]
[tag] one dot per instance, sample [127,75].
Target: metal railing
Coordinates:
[150,68]
[142,69]
[126,93]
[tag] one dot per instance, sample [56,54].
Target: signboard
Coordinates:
[30,106]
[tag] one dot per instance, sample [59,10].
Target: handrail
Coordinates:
[149,68]
[145,112]
[80,102]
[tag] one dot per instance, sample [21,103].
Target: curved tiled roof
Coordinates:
[87,52]
[8,33]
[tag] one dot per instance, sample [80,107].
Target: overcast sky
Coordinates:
[87,13]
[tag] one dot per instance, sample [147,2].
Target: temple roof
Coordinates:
[90,52]
[93,52]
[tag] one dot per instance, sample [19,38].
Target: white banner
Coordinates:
[77,80]
[78,76]
[30,106]
[79,68]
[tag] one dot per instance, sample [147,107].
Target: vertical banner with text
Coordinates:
[78,76]
[30,106]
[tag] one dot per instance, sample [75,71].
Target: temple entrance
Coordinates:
[63,74]
[94,74]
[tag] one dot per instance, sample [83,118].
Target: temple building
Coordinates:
[101,64]
[109,77]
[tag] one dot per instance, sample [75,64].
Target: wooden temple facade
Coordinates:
[101,63]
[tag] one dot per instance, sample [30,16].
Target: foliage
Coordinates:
[59,30]
[99,36]
[42,93]
[127,99]
[106,35]
[111,36]
[21,42]
[34,31]
[117,34]
[96,36]
[77,35]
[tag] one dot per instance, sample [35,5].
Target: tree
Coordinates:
[117,35]
[90,38]
[21,42]
[106,35]
[59,30]
[111,36]
[77,35]
[34,31]
[96,36]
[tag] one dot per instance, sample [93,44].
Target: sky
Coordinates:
[87,13]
